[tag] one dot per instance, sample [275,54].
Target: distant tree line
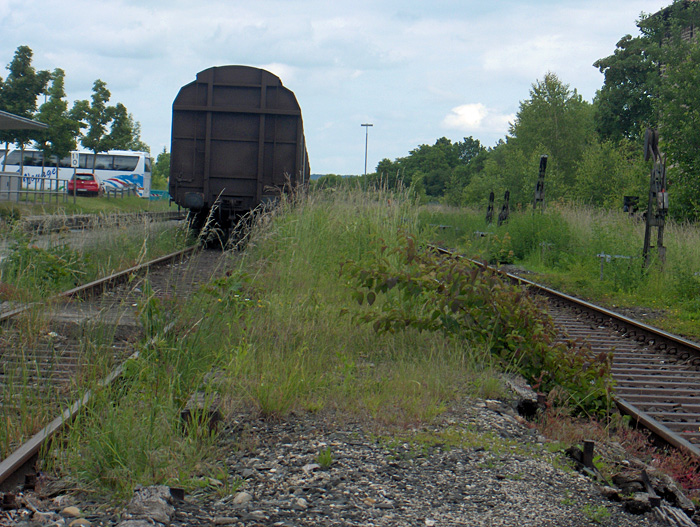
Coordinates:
[96,124]
[595,150]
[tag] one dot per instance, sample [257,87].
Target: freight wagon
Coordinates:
[237,141]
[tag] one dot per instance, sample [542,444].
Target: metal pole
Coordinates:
[366,125]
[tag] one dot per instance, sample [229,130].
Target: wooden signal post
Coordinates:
[658,197]
[539,188]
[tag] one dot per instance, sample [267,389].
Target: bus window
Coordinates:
[127,163]
[104,162]
[32,159]
[13,157]
[85,161]
[148,164]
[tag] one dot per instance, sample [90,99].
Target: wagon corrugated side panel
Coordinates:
[237,137]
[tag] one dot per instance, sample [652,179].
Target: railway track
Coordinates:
[57,223]
[657,374]
[47,351]
[657,377]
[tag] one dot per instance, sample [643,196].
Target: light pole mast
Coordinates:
[366,125]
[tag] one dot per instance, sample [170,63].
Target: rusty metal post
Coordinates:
[505,210]
[539,188]
[657,206]
[489,211]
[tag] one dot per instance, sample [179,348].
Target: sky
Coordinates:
[417,70]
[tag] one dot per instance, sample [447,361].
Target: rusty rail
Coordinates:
[657,374]
[31,447]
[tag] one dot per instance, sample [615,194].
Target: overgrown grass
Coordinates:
[31,271]
[562,246]
[81,205]
[302,351]
[273,330]
[35,267]
[275,333]
[29,399]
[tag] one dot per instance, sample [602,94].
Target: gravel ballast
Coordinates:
[483,465]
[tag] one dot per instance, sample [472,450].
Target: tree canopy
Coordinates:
[556,120]
[61,136]
[625,103]
[594,150]
[106,127]
[19,93]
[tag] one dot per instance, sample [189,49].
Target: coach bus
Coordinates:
[116,169]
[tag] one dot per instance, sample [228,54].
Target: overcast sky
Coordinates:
[416,70]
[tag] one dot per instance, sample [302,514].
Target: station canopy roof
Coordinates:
[9,121]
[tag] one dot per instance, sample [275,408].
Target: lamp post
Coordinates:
[366,125]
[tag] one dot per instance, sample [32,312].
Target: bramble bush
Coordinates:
[406,286]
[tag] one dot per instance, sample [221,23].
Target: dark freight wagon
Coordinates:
[237,141]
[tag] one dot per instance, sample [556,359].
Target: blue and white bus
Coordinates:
[116,169]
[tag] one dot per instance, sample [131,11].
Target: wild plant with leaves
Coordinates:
[407,286]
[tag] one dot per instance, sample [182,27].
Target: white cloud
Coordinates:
[400,65]
[286,73]
[476,117]
[527,56]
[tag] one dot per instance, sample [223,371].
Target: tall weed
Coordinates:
[596,254]
[437,293]
[273,328]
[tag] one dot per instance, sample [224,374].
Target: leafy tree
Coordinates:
[680,96]
[391,173]
[608,171]
[469,149]
[625,103]
[473,156]
[60,138]
[507,168]
[430,170]
[95,115]
[161,171]
[434,165]
[19,94]
[678,56]
[125,132]
[121,131]
[654,80]
[557,121]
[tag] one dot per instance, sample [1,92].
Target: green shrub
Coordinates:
[440,293]
[539,236]
[10,215]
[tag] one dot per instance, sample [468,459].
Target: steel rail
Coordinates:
[628,406]
[30,448]
[111,280]
[48,224]
[630,322]
[121,276]
[662,340]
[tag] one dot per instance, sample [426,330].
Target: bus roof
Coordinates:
[108,152]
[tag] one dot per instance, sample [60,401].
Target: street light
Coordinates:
[366,125]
